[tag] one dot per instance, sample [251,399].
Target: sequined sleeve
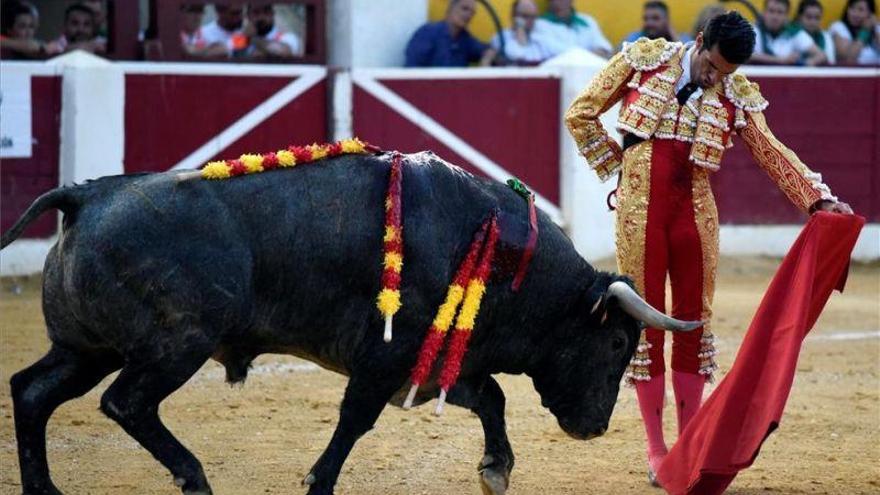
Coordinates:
[802,186]
[582,118]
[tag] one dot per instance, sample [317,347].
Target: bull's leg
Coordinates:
[133,402]
[363,402]
[488,404]
[37,391]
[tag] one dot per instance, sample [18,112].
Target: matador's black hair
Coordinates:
[733,34]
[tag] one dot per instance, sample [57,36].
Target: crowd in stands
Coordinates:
[84,28]
[783,36]
[236,32]
[253,34]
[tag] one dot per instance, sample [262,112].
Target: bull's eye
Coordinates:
[617,343]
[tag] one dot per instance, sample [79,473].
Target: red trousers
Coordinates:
[667,223]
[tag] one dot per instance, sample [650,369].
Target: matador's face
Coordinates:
[708,67]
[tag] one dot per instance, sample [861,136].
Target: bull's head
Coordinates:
[579,373]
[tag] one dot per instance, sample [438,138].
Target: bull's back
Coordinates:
[283,260]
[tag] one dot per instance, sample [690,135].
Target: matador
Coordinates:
[681,105]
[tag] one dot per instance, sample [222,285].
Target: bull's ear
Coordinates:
[596,297]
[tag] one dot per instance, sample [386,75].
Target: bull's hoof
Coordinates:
[494,476]
[309,480]
[45,490]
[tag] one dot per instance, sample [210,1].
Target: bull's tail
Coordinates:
[63,198]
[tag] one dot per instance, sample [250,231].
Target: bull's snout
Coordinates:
[583,430]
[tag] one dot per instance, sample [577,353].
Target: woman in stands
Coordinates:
[857,34]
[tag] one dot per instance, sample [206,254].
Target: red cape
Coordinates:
[726,434]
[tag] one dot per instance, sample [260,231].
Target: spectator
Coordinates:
[80,31]
[809,18]
[18,37]
[857,34]
[97,7]
[224,35]
[521,46]
[703,18]
[655,24]
[564,28]
[267,41]
[777,45]
[191,38]
[448,43]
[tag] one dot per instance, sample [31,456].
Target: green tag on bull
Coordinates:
[519,188]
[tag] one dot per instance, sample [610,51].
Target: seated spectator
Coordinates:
[809,18]
[564,28]
[80,31]
[97,7]
[703,18]
[18,34]
[655,24]
[192,41]
[224,35]
[857,34]
[777,44]
[448,43]
[521,45]
[267,41]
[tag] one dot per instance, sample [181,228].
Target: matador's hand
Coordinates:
[835,207]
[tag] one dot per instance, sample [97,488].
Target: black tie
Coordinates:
[685,93]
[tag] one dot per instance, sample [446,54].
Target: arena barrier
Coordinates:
[499,123]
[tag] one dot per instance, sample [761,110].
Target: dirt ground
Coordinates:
[264,437]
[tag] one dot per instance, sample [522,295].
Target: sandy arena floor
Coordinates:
[264,437]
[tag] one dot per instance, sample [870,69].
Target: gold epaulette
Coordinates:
[645,54]
[743,93]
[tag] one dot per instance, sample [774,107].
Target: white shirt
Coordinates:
[870,54]
[785,44]
[532,52]
[288,39]
[830,52]
[213,33]
[560,37]
[686,72]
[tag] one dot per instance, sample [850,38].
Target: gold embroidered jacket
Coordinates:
[643,78]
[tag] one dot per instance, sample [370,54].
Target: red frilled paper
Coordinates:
[726,434]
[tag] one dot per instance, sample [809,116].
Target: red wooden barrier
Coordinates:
[23,179]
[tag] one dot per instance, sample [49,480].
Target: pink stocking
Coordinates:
[688,396]
[651,394]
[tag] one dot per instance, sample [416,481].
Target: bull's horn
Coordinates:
[636,307]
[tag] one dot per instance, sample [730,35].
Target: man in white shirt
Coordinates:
[564,28]
[777,45]
[521,44]
[266,39]
[225,31]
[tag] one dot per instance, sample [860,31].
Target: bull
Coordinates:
[154,274]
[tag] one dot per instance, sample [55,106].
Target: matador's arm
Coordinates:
[582,118]
[802,186]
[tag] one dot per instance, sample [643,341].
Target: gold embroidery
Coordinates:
[646,55]
[632,218]
[743,93]
[709,138]
[802,186]
[582,118]
[642,116]
[706,219]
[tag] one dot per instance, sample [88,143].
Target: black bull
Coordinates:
[154,274]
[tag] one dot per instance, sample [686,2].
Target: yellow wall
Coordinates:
[617,17]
